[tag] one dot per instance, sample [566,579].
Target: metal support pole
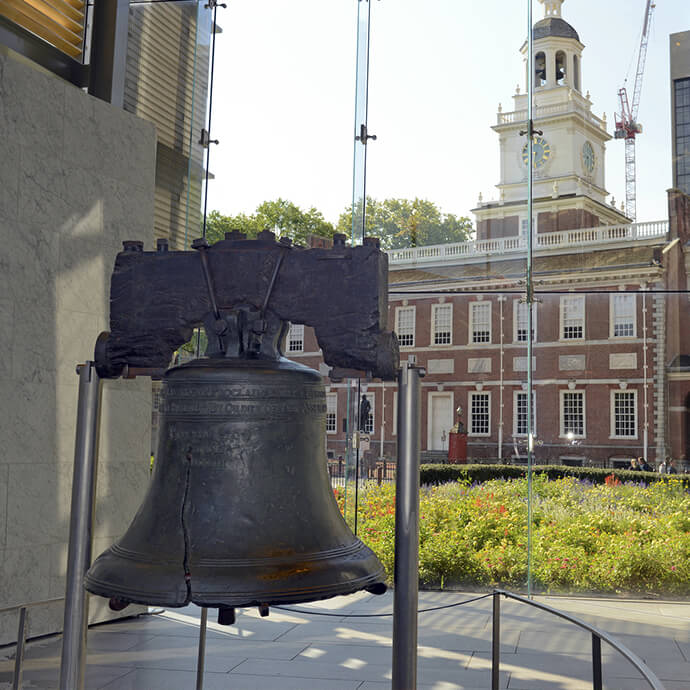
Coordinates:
[21,641]
[73,662]
[496,642]
[201,659]
[596,662]
[406,569]
[357,424]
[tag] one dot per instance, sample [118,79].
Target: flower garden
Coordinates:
[614,537]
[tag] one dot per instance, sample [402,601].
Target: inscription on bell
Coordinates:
[264,410]
[216,447]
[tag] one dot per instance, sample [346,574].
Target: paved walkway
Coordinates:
[294,651]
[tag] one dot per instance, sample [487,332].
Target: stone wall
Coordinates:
[77,178]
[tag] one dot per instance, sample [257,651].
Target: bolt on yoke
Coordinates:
[245,293]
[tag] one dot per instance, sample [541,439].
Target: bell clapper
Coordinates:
[226,615]
[116,604]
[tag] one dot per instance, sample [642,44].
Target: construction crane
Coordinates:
[627,126]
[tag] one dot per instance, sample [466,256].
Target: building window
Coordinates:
[404,325]
[520,413]
[331,413]
[624,414]
[573,317]
[524,229]
[623,316]
[573,414]
[520,313]
[480,414]
[480,322]
[295,338]
[442,324]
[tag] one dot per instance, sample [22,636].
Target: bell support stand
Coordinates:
[406,569]
[234,422]
[73,662]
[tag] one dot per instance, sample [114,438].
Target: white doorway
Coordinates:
[440,420]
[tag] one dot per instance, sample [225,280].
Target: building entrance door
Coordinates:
[441,413]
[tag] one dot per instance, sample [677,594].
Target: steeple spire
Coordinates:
[552,8]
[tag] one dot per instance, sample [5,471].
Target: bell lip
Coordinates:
[219,600]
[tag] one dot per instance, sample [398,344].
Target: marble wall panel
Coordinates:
[77,178]
[27,422]
[33,107]
[9,177]
[6,331]
[126,150]
[4,474]
[38,503]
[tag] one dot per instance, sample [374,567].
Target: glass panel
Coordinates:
[167,83]
[361,123]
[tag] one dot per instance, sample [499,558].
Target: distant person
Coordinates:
[634,466]
[644,465]
[671,469]
[364,410]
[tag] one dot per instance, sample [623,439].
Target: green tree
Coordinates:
[408,223]
[280,216]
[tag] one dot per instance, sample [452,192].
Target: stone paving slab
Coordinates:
[292,650]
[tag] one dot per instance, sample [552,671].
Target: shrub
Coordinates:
[586,536]
[439,474]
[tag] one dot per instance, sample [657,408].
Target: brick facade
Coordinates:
[633,363]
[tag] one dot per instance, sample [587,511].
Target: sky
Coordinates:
[283,100]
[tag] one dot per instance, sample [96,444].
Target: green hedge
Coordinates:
[440,474]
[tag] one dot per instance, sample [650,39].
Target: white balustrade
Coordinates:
[565,239]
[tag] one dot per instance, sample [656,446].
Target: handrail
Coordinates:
[31,604]
[597,636]
[22,630]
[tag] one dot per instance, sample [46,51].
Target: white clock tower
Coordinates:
[568,156]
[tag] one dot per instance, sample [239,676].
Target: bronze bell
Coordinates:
[240,509]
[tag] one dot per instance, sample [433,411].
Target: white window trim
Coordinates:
[561,324]
[471,340]
[612,315]
[515,413]
[470,395]
[516,307]
[613,416]
[561,416]
[434,309]
[414,323]
[298,327]
[332,396]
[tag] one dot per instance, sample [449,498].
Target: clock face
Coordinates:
[541,152]
[588,157]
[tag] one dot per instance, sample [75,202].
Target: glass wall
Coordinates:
[537,262]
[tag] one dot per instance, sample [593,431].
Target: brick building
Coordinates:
[611,347]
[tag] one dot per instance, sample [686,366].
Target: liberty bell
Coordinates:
[240,510]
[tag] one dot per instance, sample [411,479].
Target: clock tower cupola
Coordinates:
[567,157]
